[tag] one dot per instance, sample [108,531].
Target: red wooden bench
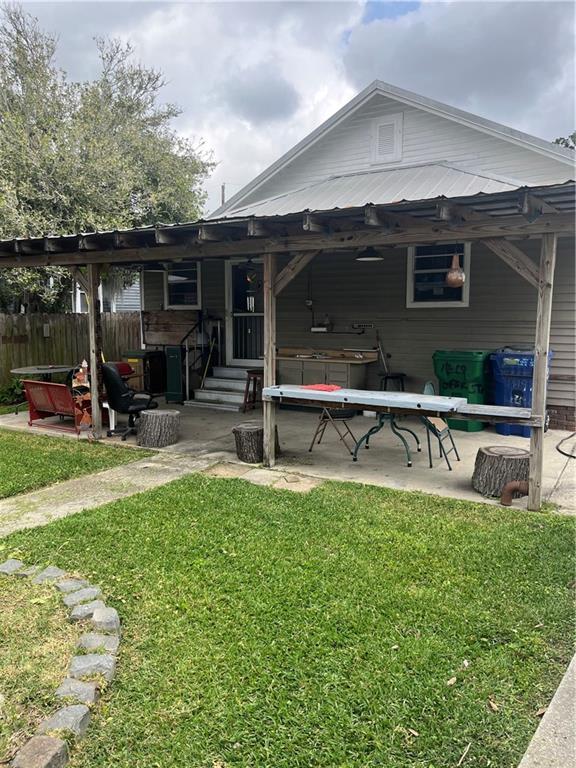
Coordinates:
[47,399]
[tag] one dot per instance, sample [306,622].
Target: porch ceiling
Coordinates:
[512,213]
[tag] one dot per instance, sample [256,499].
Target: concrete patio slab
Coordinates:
[207,435]
[262,476]
[226,469]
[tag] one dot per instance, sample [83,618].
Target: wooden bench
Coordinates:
[47,399]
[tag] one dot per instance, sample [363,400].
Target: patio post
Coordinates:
[540,373]
[269,408]
[93,280]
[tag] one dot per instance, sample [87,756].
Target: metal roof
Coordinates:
[378,87]
[384,187]
[342,208]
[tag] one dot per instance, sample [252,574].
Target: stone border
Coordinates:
[86,672]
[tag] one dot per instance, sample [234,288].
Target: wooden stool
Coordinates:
[253,389]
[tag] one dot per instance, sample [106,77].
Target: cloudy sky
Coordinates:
[254,78]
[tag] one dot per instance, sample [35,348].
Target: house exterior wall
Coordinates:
[502,312]
[427,138]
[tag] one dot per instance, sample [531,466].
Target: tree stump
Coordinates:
[249,437]
[157,429]
[497,465]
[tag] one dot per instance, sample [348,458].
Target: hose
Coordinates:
[564,453]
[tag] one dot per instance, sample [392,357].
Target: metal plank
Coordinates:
[367,398]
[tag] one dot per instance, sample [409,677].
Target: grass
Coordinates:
[36,644]
[33,461]
[4,409]
[266,628]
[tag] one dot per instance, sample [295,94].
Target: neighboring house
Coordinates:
[112,298]
[387,146]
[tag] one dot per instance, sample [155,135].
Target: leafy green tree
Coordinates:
[567,141]
[84,156]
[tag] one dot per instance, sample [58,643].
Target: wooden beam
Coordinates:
[163,236]
[391,223]
[208,234]
[85,244]
[458,215]
[531,207]
[311,223]
[516,259]
[255,228]
[81,279]
[293,268]
[421,233]
[93,281]
[269,408]
[540,373]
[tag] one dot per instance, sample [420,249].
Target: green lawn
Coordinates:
[36,645]
[30,461]
[269,629]
[4,409]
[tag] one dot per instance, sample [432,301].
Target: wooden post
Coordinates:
[93,279]
[269,408]
[540,374]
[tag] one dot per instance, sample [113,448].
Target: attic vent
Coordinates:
[387,139]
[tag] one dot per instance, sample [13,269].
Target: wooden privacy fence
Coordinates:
[61,339]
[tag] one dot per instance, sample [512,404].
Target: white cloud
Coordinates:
[509,61]
[253,78]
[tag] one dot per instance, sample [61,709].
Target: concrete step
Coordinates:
[212,406]
[228,385]
[218,396]
[228,372]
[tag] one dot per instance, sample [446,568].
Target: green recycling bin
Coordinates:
[463,373]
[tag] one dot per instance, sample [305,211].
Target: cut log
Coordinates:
[497,465]
[249,437]
[157,429]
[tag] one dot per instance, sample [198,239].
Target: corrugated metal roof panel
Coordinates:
[425,182]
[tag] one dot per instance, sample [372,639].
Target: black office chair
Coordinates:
[122,399]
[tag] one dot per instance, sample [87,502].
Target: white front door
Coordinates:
[244,312]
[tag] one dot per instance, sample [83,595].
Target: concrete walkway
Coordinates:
[29,510]
[554,743]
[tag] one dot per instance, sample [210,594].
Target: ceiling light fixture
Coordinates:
[369,254]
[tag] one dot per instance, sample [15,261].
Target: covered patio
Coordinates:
[287,244]
[208,434]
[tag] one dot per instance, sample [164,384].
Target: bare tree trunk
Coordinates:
[497,465]
[249,438]
[157,429]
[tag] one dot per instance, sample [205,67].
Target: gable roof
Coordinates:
[380,88]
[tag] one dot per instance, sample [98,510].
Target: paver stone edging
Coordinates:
[81,688]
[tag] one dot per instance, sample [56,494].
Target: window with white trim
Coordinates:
[387,138]
[427,268]
[182,288]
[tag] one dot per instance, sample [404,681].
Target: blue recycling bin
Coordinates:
[512,371]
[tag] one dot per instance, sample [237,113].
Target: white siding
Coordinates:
[426,138]
[502,312]
[129,299]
